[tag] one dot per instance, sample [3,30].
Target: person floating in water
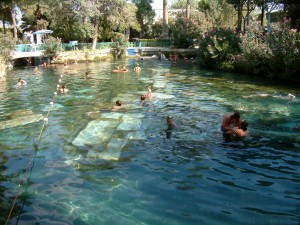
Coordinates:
[118,106]
[64,89]
[159,55]
[21,82]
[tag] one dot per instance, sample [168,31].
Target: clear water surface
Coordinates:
[98,166]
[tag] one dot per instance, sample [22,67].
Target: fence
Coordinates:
[100,45]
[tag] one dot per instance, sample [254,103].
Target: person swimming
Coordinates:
[137,68]
[117,69]
[118,106]
[21,82]
[64,89]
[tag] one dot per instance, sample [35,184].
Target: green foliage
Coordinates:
[255,49]
[52,46]
[218,47]
[185,32]
[145,16]
[181,4]
[276,53]
[119,45]
[7,45]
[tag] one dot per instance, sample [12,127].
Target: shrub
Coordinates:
[52,46]
[217,48]
[185,32]
[119,45]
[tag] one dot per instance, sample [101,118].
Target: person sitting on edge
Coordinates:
[117,69]
[137,68]
[229,120]
[64,89]
[118,106]
[241,129]
[124,69]
[21,82]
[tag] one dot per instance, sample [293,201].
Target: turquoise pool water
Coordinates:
[98,166]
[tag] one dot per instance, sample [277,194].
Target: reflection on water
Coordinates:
[98,166]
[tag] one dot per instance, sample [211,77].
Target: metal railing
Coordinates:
[99,45]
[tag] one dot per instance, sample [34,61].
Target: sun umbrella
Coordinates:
[43,32]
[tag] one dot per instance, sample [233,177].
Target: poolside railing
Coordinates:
[99,45]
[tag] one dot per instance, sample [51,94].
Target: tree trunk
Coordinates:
[3,23]
[240,15]
[13,17]
[95,38]
[165,20]
[262,15]
[188,8]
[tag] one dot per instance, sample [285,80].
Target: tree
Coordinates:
[218,13]
[145,15]
[238,5]
[181,4]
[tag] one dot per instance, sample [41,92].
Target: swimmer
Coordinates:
[297,128]
[87,76]
[36,70]
[241,129]
[137,68]
[64,89]
[117,69]
[149,94]
[124,69]
[170,123]
[118,106]
[229,120]
[21,82]
[291,96]
[142,101]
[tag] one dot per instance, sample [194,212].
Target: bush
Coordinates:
[255,49]
[52,46]
[218,47]
[276,53]
[119,45]
[185,32]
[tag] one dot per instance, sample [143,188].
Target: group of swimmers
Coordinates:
[137,69]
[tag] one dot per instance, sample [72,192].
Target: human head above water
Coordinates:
[143,97]
[244,125]
[118,103]
[236,115]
